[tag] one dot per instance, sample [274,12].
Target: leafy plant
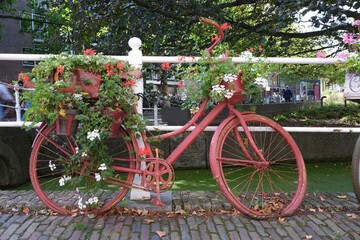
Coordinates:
[214,76]
[55,93]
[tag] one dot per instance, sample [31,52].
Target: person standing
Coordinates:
[5,97]
[287,94]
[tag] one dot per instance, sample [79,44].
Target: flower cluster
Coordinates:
[62,85]
[215,76]
[64,179]
[350,59]
[93,135]
[52,166]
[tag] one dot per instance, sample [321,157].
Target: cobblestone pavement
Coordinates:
[321,216]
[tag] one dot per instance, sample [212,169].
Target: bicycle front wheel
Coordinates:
[67,190]
[259,189]
[355,169]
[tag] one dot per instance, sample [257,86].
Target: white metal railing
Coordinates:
[136,59]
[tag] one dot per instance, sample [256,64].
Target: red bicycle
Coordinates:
[256,163]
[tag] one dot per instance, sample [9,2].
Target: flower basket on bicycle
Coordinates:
[237,90]
[67,125]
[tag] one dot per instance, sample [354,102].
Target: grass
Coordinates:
[328,177]
[329,114]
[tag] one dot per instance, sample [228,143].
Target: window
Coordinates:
[31,26]
[30,51]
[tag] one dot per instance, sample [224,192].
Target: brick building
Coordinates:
[16,39]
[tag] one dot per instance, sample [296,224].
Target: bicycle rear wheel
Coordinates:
[66,190]
[355,169]
[256,188]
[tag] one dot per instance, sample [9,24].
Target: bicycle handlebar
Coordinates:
[215,24]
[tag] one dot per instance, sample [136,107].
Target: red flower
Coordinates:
[120,66]
[214,38]
[110,73]
[180,84]
[196,71]
[165,66]
[60,69]
[109,67]
[260,49]
[89,52]
[130,82]
[144,152]
[23,77]
[250,50]
[31,85]
[225,26]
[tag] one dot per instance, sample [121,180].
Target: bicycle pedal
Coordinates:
[158,203]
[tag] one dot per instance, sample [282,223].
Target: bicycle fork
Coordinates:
[252,143]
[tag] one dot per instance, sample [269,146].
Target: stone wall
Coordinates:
[15,150]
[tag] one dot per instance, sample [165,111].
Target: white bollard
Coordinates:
[135,60]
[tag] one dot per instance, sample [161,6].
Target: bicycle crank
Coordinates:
[159,176]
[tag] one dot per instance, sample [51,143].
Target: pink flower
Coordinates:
[180,84]
[321,54]
[356,23]
[144,152]
[343,55]
[349,39]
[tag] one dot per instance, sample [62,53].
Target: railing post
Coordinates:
[156,121]
[135,60]
[17,103]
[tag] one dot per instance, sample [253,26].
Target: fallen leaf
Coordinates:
[351,215]
[320,210]
[74,215]
[281,219]
[312,210]
[341,196]
[91,215]
[181,212]
[26,210]
[149,220]
[171,215]
[308,237]
[322,199]
[160,233]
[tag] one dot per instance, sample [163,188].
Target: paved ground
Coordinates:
[321,216]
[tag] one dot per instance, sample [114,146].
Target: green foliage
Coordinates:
[49,101]
[214,76]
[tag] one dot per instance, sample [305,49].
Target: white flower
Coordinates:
[78,96]
[246,54]
[64,179]
[84,154]
[228,94]
[102,167]
[62,182]
[194,110]
[97,177]
[80,204]
[76,150]
[218,88]
[52,166]
[92,135]
[230,77]
[77,190]
[92,200]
